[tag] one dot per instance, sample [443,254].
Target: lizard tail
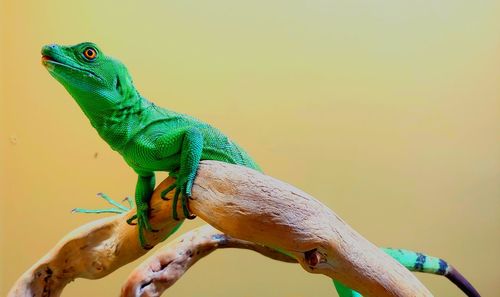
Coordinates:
[419,262]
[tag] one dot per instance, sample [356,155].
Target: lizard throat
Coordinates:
[119,126]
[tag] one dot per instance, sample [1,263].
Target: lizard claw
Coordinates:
[164,193]
[187,196]
[187,213]
[130,221]
[130,202]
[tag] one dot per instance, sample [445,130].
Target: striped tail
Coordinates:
[419,262]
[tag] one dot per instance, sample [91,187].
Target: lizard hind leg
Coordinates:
[117,209]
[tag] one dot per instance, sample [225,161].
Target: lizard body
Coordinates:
[148,137]
[151,138]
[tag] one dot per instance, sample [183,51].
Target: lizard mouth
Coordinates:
[49,61]
[46,59]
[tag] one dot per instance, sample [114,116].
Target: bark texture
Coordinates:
[164,268]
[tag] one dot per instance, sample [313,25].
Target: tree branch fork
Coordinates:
[245,209]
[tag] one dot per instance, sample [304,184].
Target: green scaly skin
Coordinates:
[151,138]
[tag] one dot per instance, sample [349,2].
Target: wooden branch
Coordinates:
[248,205]
[163,269]
[95,250]
[243,204]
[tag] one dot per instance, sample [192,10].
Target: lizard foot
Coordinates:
[143,224]
[118,208]
[180,190]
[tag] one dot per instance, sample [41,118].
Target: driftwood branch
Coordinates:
[243,204]
[168,265]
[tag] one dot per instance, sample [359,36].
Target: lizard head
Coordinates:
[98,82]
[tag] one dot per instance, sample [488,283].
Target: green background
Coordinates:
[387,111]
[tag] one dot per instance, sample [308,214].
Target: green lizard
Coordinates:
[148,137]
[151,138]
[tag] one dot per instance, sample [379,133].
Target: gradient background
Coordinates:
[387,111]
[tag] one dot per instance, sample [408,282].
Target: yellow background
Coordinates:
[387,111]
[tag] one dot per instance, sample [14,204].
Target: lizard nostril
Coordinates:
[47,49]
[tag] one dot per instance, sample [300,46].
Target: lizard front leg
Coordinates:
[190,155]
[143,191]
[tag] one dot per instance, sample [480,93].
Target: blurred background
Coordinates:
[386,111]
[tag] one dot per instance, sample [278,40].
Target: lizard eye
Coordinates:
[90,53]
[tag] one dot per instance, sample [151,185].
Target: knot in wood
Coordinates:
[313,257]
